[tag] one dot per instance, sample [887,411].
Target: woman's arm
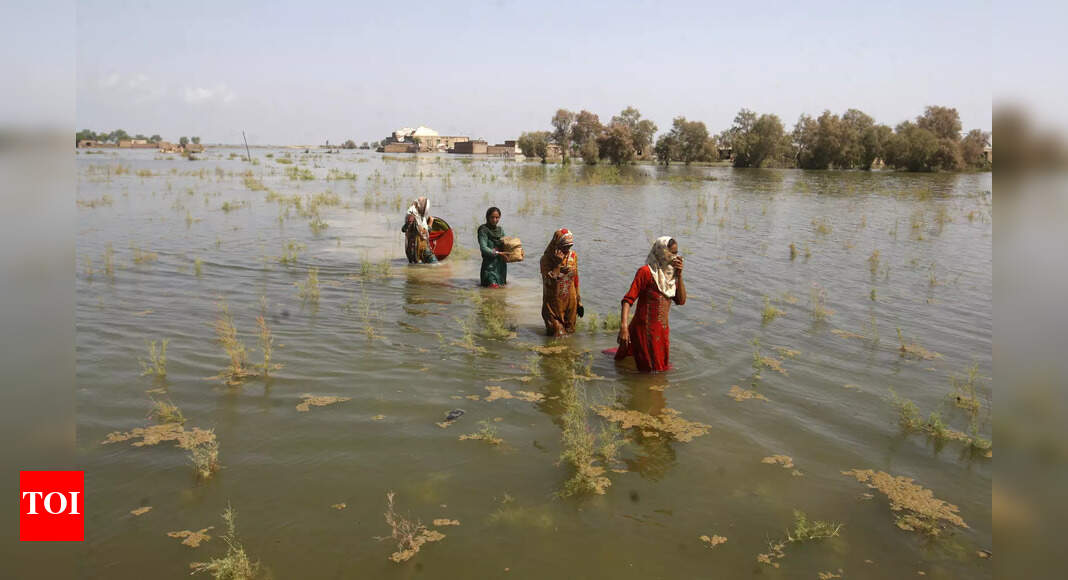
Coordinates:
[624,310]
[483,244]
[680,286]
[578,294]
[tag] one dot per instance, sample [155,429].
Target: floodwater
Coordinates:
[391,338]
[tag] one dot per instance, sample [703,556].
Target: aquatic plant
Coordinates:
[238,369]
[409,534]
[198,265]
[205,457]
[308,401]
[299,173]
[916,509]
[308,290]
[236,564]
[818,303]
[914,350]
[803,531]
[166,412]
[793,251]
[254,184]
[266,347]
[713,541]
[873,262]
[821,225]
[580,447]
[291,252]
[487,432]
[964,393]
[156,364]
[142,257]
[770,312]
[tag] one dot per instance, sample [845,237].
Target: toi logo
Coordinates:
[51,506]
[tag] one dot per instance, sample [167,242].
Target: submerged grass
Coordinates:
[582,450]
[235,564]
[803,530]
[770,312]
[308,290]
[156,365]
[238,370]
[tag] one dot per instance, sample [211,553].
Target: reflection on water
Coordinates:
[408,344]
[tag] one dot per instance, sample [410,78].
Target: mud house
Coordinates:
[424,139]
[136,144]
[477,147]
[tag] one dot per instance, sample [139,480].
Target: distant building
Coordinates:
[194,148]
[136,144]
[471,147]
[425,138]
[988,154]
[400,148]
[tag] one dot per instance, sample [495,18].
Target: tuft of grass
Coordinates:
[818,303]
[166,412]
[770,312]
[793,251]
[235,565]
[487,432]
[873,262]
[198,266]
[266,347]
[156,365]
[806,531]
[238,369]
[142,257]
[914,350]
[821,225]
[581,448]
[308,290]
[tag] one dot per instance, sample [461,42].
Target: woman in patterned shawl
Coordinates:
[656,285]
[560,298]
[416,228]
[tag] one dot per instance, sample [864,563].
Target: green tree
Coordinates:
[155,138]
[873,144]
[350,144]
[755,139]
[689,138]
[617,143]
[196,140]
[912,147]
[587,126]
[973,146]
[562,124]
[943,122]
[855,124]
[666,149]
[590,151]
[118,135]
[535,144]
[183,141]
[641,130]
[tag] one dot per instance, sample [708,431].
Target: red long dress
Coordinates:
[650,335]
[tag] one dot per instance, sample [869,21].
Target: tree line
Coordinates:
[852,140]
[121,135]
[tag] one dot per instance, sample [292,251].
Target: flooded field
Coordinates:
[250,335]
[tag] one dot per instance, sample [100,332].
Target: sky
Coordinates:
[308,72]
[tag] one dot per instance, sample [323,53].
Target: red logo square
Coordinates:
[51,506]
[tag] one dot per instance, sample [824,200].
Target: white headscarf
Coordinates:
[659,262]
[420,216]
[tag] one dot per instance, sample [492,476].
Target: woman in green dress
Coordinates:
[494,272]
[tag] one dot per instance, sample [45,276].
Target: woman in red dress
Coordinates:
[656,285]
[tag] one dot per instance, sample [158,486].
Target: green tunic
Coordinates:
[494,268]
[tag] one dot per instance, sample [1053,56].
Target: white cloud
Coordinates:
[138,87]
[219,93]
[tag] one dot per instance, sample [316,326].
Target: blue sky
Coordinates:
[310,71]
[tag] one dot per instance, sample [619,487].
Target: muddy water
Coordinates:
[393,343]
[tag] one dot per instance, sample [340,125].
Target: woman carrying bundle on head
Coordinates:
[416,228]
[561,302]
[656,285]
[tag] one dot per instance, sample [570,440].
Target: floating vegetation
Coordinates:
[253,183]
[786,352]
[141,510]
[198,265]
[340,506]
[442,522]
[818,303]
[668,422]
[785,461]
[238,369]
[95,203]
[496,392]
[299,173]
[713,541]
[308,290]
[916,509]
[762,361]
[770,312]
[910,418]
[581,450]
[409,534]
[291,252]
[156,365]
[827,575]
[318,401]
[235,565]
[821,225]
[487,433]
[914,350]
[793,251]
[739,394]
[191,538]
[228,207]
[157,434]
[847,334]
[964,394]
[803,531]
